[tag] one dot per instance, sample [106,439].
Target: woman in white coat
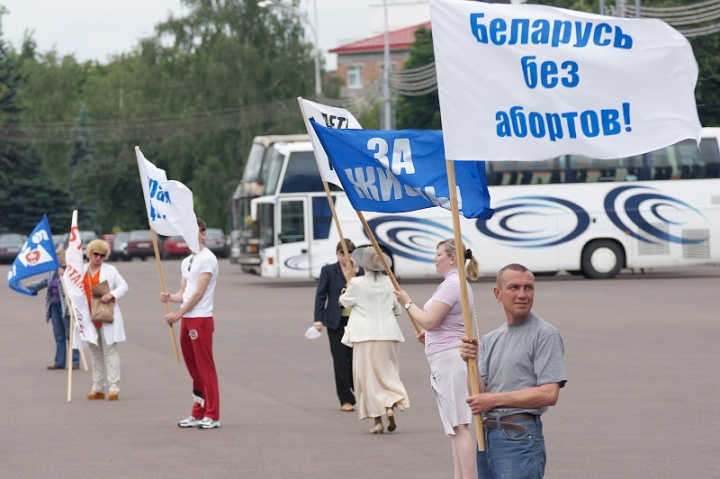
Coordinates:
[374,335]
[105,356]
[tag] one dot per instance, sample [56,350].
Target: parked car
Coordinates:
[10,246]
[109,238]
[119,247]
[175,247]
[217,243]
[140,245]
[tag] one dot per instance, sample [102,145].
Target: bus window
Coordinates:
[660,161]
[711,155]
[322,217]
[590,170]
[689,161]
[271,171]
[266,224]
[579,167]
[524,172]
[302,174]
[292,219]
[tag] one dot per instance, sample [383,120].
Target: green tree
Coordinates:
[419,111]
[219,55]
[11,153]
[707,92]
[32,194]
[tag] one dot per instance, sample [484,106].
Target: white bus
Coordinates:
[572,213]
[267,155]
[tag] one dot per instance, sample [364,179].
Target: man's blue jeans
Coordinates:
[511,454]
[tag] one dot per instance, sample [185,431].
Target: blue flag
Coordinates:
[403,170]
[36,256]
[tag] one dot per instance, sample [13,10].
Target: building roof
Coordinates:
[398,40]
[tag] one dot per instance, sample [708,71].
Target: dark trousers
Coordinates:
[61,331]
[342,362]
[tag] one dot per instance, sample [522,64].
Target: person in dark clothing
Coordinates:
[329,313]
[56,311]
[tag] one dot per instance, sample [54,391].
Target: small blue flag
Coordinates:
[403,170]
[36,256]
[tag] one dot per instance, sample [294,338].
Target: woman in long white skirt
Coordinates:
[374,335]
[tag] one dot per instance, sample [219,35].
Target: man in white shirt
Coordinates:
[197,289]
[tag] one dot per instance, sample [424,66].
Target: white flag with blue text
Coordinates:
[531,82]
[36,256]
[402,170]
[331,117]
[75,286]
[169,203]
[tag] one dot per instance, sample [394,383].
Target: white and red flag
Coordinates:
[74,284]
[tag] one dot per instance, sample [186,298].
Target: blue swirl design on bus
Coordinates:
[657,204]
[300,262]
[510,214]
[409,237]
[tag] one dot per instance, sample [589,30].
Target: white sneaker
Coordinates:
[208,423]
[189,422]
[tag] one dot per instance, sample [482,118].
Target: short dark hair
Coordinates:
[201,224]
[511,267]
[348,244]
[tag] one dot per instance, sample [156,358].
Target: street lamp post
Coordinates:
[303,17]
[386,72]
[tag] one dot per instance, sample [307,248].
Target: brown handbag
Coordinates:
[101,312]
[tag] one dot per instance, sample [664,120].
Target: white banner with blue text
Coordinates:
[169,203]
[531,82]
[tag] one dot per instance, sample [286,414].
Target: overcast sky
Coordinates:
[95,29]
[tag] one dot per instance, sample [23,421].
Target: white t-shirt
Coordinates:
[191,268]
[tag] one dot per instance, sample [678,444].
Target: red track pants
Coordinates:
[196,338]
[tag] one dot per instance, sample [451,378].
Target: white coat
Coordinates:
[374,308]
[114,332]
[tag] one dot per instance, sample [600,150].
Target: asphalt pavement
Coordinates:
[642,357]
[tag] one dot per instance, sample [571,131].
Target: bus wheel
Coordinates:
[602,259]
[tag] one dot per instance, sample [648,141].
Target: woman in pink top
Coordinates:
[442,319]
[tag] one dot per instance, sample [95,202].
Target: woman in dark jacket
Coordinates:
[329,313]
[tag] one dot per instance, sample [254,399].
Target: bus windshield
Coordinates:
[254,163]
[302,174]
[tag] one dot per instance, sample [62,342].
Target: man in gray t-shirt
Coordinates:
[521,371]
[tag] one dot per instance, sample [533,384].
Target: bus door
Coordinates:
[293,238]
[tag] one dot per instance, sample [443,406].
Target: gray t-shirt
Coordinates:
[521,356]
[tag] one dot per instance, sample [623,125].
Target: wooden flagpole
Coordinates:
[164,290]
[460,252]
[379,252]
[68,359]
[68,356]
[351,271]
[374,242]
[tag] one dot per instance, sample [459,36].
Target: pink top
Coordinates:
[448,334]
